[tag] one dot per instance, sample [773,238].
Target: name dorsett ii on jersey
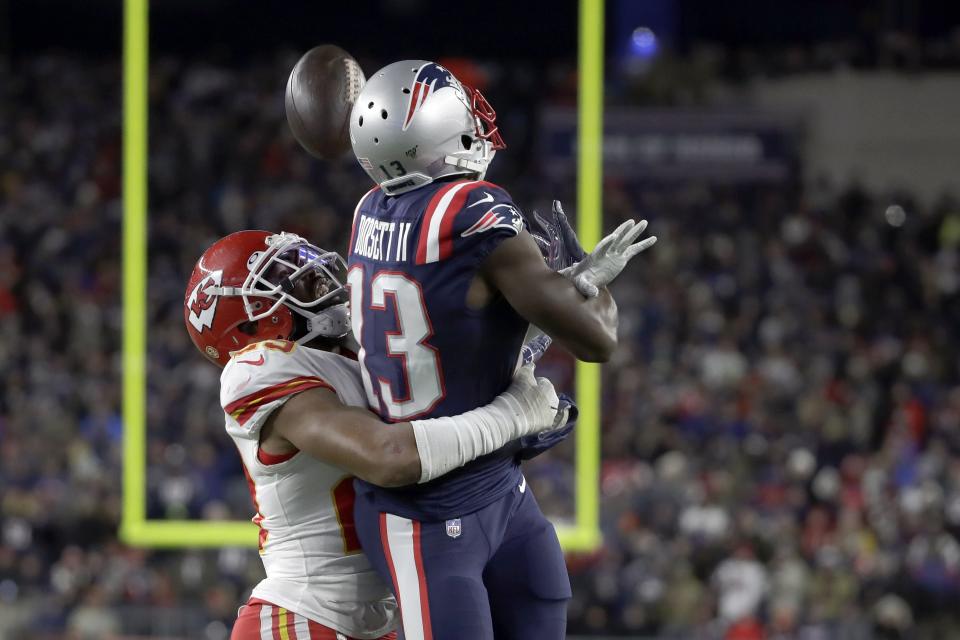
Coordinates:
[399,293]
[378,240]
[308,542]
[388,241]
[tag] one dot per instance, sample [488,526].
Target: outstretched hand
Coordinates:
[609,258]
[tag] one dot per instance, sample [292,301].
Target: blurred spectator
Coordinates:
[780,428]
[92,619]
[741,584]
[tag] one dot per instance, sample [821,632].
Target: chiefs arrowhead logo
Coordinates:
[202,304]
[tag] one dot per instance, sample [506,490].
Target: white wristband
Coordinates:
[450,442]
[447,443]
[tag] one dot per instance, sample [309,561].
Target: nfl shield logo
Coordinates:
[454,528]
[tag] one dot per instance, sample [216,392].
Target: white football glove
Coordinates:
[531,402]
[608,259]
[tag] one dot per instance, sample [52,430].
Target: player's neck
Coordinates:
[323,344]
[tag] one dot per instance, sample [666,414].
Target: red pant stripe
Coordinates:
[386,552]
[260,620]
[406,570]
[275,627]
[422,576]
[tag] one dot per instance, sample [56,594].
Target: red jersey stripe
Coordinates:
[425,224]
[446,227]
[274,458]
[243,409]
[436,236]
[258,518]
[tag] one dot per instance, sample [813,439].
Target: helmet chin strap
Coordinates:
[332,322]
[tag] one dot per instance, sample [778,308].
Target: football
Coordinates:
[320,93]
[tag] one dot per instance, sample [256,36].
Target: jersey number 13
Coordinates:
[421,362]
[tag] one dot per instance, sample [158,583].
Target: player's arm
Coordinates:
[587,327]
[319,424]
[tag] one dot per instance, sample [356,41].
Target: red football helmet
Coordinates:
[255,285]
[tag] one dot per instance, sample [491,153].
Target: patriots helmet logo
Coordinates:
[501,216]
[430,78]
[202,305]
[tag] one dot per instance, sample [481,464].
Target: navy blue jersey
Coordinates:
[424,353]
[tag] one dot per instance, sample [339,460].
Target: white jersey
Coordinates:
[308,543]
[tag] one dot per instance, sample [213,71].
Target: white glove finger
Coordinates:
[622,232]
[637,230]
[612,240]
[623,228]
[631,236]
[640,247]
[602,247]
[585,287]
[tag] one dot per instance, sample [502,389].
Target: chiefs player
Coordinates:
[270,309]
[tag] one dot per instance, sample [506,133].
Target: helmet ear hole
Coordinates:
[248,328]
[466,141]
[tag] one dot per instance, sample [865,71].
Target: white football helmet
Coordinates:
[414,122]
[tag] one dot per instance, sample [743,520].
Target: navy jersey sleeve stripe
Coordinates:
[436,232]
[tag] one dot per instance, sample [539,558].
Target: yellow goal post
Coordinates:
[583,534]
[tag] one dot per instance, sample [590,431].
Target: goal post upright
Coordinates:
[136,529]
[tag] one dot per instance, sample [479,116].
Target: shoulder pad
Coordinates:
[259,379]
[462,209]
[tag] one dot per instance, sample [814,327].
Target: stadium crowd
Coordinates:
[780,422]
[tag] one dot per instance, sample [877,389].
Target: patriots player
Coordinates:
[444,283]
[269,308]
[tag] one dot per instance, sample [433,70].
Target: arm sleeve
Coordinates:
[259,380]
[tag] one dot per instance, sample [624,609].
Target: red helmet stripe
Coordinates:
[427,88]
[414,104]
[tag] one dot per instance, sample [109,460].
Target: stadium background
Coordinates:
[780,426]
